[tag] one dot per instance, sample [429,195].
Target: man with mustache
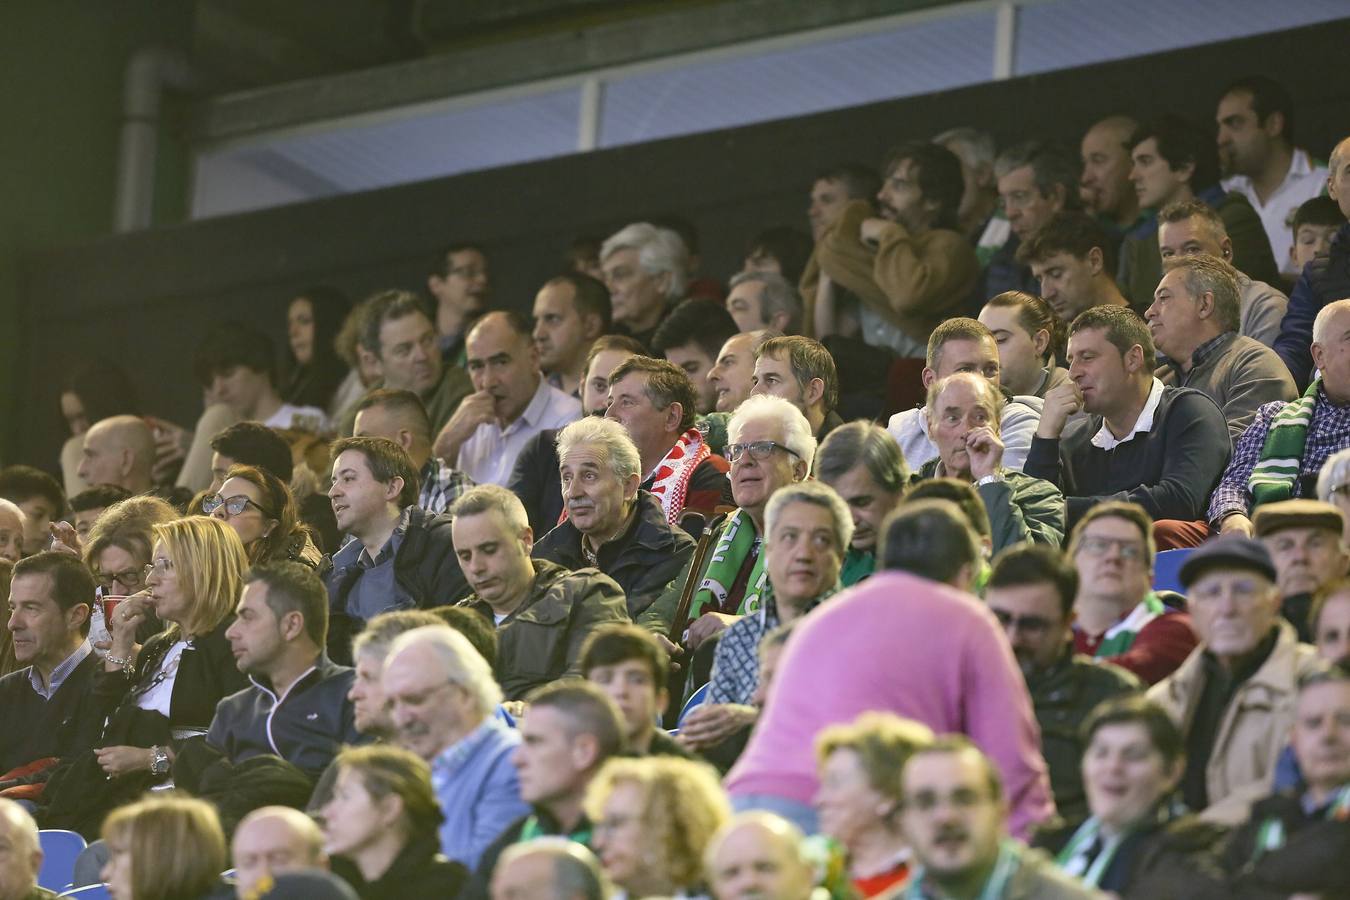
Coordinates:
[956,817]
[910,266]
[1031,590]
[807,528]
[442,702]
[512,401]
[611,524]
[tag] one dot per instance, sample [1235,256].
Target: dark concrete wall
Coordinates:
[150,296]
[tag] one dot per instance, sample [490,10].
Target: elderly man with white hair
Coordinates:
[443,700]
[770,446]
[645,269]
[758,854]
[1281,453]
[807,529]
[611,524]
[22,854]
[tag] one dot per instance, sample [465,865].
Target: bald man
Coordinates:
[11,531]
[273,840]
[1105,184]
[22,855]
[512,401]
[758,854]
[119,451]
[552,867]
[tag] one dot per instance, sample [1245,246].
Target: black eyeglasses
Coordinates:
[758,450]
[233,505]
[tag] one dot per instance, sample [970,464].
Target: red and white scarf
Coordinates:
[671,478]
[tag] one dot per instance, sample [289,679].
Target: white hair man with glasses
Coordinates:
[770,446]
[1117,616]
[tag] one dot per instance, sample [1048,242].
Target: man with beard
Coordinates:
[910,266]
[956,817]
[1031,590]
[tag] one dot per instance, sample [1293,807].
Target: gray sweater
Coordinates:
[1237,373]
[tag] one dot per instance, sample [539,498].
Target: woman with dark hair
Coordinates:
[314,369]
[262,511]
[1136,843]
[380,827]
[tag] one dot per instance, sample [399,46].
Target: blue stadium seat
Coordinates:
[59,849]
[1167,570]
[695,699]
[90,892]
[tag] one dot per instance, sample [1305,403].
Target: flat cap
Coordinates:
[1273,517]
[1233,551]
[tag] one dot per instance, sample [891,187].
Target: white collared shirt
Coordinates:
[1302,182]
[489,455]
[1142,425]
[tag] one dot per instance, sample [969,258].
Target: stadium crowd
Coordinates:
[987,541]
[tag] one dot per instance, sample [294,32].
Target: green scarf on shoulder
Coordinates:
[1276,470]
[734,543]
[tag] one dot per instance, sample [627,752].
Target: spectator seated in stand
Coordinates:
[864,466]
[542,611]
[40,497]
[164,847]
[571,310]
[272,841]
[1161,447]
[1030,339]
[633,669]
[611,524]
[401,417]
[1304,540]
[1117,618]
[1031,591]
[89,504]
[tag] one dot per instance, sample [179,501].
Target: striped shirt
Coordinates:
[441,485]
[60,673]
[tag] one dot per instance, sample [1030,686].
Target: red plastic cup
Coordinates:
[109,605]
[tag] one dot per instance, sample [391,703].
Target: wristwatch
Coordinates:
[993,478]
[159,763]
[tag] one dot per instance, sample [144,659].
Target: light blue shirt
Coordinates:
[478,790]
[60,673]
[489,455]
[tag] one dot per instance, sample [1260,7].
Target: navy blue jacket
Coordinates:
[306,727]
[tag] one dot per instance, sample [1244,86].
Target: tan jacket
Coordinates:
[913,282]
[1255,727]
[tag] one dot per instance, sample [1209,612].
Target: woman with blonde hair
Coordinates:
[653,818]
[859,797]
[158,695]
[380,827]
[261,509]
[164,848]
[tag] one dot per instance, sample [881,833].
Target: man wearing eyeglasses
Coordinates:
[1117,616]
[1031,591]
[47,703]
[1234,697]
[460,283]
[770,446]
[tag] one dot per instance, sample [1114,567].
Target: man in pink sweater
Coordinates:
[917,645]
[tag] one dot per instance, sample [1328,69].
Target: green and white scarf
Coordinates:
[1120,636]
[733,545]
[1276,470]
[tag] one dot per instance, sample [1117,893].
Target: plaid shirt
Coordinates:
[1328,432]
[735,669]
[441,485]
